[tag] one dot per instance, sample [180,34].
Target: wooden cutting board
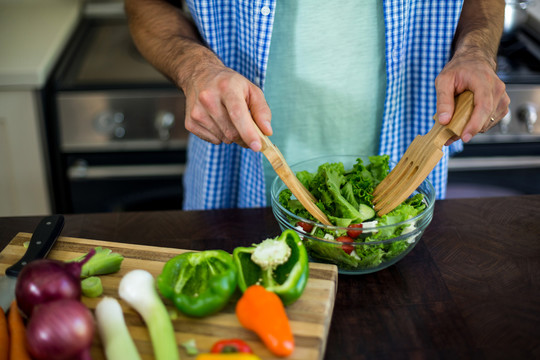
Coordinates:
[310,316]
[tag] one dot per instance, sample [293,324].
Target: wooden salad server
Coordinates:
[283,170]
[420,158]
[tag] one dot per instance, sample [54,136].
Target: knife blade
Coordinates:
[41,242]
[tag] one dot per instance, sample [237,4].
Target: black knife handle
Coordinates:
[41,242]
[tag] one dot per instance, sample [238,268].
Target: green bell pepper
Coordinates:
[280,265]
[199,283]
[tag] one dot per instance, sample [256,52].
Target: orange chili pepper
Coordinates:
[262,311]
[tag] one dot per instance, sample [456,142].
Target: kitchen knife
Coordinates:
[42,241]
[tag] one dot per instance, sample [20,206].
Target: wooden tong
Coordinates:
[283,170]
[420,158]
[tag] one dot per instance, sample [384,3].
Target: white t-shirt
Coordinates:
[326,79]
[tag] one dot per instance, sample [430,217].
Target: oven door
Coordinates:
[124,182]
[495,169]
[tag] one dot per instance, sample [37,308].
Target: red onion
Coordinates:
[60,330]
[46,280]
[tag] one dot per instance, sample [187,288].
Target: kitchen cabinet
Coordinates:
[23,182]
[33,34]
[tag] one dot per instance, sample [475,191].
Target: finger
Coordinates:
[215,117]
[205,134]
[260,111]
[502,107]
[499,114]
[483,108]
[445,99]
[489,123]
[238,111]
[201,124]
[226,126]
[228,131]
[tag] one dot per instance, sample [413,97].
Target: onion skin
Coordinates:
[47,280]
[42,281]
[60,330]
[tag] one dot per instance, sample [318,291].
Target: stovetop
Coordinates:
[102,56]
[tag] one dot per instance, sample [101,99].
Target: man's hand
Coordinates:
[471,71]
[223,106]
[472,67]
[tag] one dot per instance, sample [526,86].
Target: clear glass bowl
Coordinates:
[330,251]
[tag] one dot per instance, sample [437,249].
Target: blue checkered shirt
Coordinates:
[418,35]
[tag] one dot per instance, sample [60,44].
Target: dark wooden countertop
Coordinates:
[470,288]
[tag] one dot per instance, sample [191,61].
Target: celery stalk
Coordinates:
[138,289]
[92,287]
[103,262]
[113,331]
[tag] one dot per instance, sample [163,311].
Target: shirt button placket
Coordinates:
[265,10]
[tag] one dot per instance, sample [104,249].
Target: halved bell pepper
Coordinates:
[231,346]
[280,265]
[199,283]
[228,356]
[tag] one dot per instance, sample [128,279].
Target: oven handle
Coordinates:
[80,170]
[493,163]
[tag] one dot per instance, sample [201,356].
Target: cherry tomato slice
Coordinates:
[306,226]
[346,247]
[354,233]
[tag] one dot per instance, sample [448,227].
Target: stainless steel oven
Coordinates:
[506,160]
[115,125]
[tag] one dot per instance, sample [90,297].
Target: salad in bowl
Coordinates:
[359,241]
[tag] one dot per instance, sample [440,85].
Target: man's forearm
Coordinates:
[167,39]
[480,28]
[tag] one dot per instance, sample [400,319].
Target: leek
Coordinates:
[138,289]
[113,331]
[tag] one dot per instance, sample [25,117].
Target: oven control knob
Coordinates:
[505,122]
[529,116]
[106,122]
[119,132]
[164,122]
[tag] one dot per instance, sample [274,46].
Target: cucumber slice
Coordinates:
[366,212]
